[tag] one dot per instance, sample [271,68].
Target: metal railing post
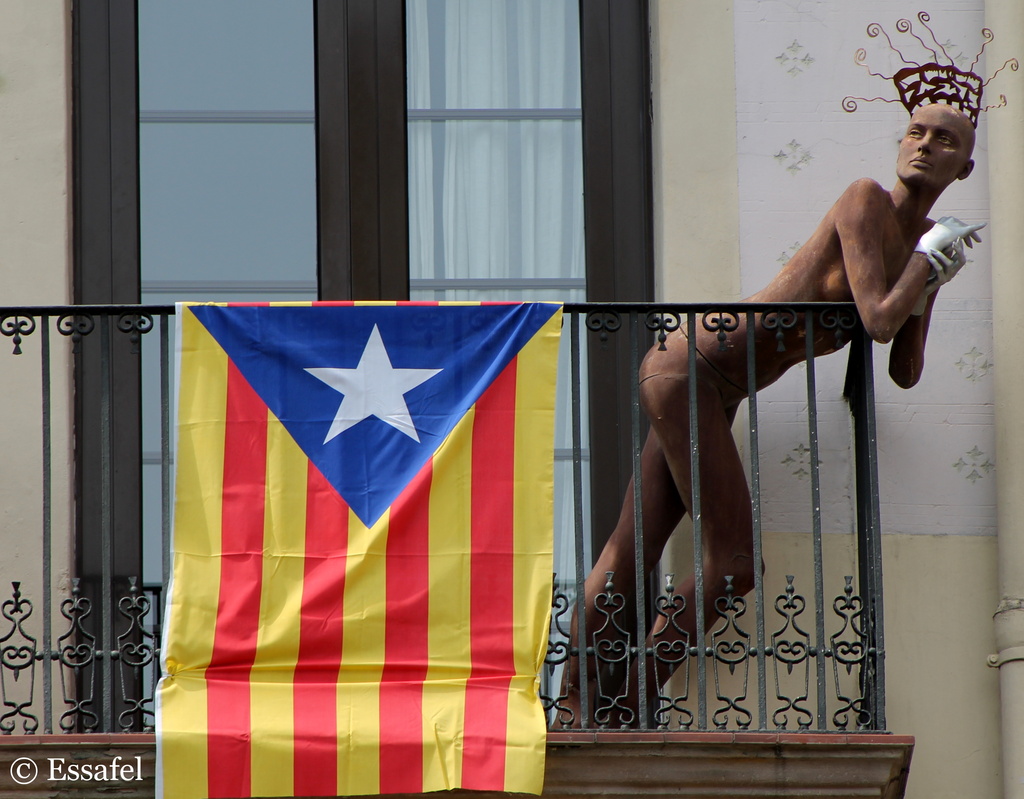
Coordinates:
[860,391]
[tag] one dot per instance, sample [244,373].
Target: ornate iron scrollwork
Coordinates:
[721,323]
[135,325]
[554,692]
[76,651]
[18,654]
[662,323]
[849,648]
[16,328]
[780,321]
[791,647]
[612,646]
[136,649]
[671,649]
[604,322]
[841,320]
[76,326]
[730,647]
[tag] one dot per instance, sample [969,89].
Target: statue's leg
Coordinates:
[662,509]
[725,509]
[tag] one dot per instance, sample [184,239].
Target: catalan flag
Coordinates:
[362,550]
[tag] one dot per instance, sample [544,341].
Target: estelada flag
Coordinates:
[362,549]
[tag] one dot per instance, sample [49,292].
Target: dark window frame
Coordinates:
[618,223]
[107,399]
[362,151]
[362,198]
[106,271]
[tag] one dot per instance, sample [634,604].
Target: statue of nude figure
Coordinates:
[875,247]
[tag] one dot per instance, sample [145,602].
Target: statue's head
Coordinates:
[936,148]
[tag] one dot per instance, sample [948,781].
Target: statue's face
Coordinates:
[937,147]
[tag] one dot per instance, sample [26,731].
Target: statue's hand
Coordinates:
[945,266]
[945,232]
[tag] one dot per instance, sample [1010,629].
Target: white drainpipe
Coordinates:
[1006,238]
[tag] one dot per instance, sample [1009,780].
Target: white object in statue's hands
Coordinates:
[946,232]
[946,263]
[965,231]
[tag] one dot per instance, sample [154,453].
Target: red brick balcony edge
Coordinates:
[683,765]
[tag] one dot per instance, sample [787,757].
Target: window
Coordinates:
[365,230]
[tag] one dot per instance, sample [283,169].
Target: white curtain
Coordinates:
[499,195]
[495,197]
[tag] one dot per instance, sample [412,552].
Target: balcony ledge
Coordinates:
[684,765]
[727,764]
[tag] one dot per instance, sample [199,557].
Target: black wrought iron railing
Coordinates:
[81,654]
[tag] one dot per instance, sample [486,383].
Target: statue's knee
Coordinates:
[661,394]
[743,582]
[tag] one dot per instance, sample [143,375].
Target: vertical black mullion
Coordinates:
[362,157]
[106,152]
[364,150]
[334,279]
[616,94]
[106,270]
[394,149]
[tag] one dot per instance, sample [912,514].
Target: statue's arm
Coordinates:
[860,216]
[906,357]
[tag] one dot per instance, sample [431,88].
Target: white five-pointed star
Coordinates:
[373,388]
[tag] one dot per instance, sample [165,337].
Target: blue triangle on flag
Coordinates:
[321,373]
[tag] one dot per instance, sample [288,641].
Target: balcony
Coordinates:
[777,693]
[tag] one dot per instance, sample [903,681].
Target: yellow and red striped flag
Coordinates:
[362,549]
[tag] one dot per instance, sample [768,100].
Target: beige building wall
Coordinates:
[696,224]
[751,147]
[35,236]
[35,118]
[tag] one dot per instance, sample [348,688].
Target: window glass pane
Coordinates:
[226,55]
[227,203]
[227,149]
[496,199]
[495,146]
[496,54]
[227,172]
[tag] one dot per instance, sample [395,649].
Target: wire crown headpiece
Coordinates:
[932,82]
